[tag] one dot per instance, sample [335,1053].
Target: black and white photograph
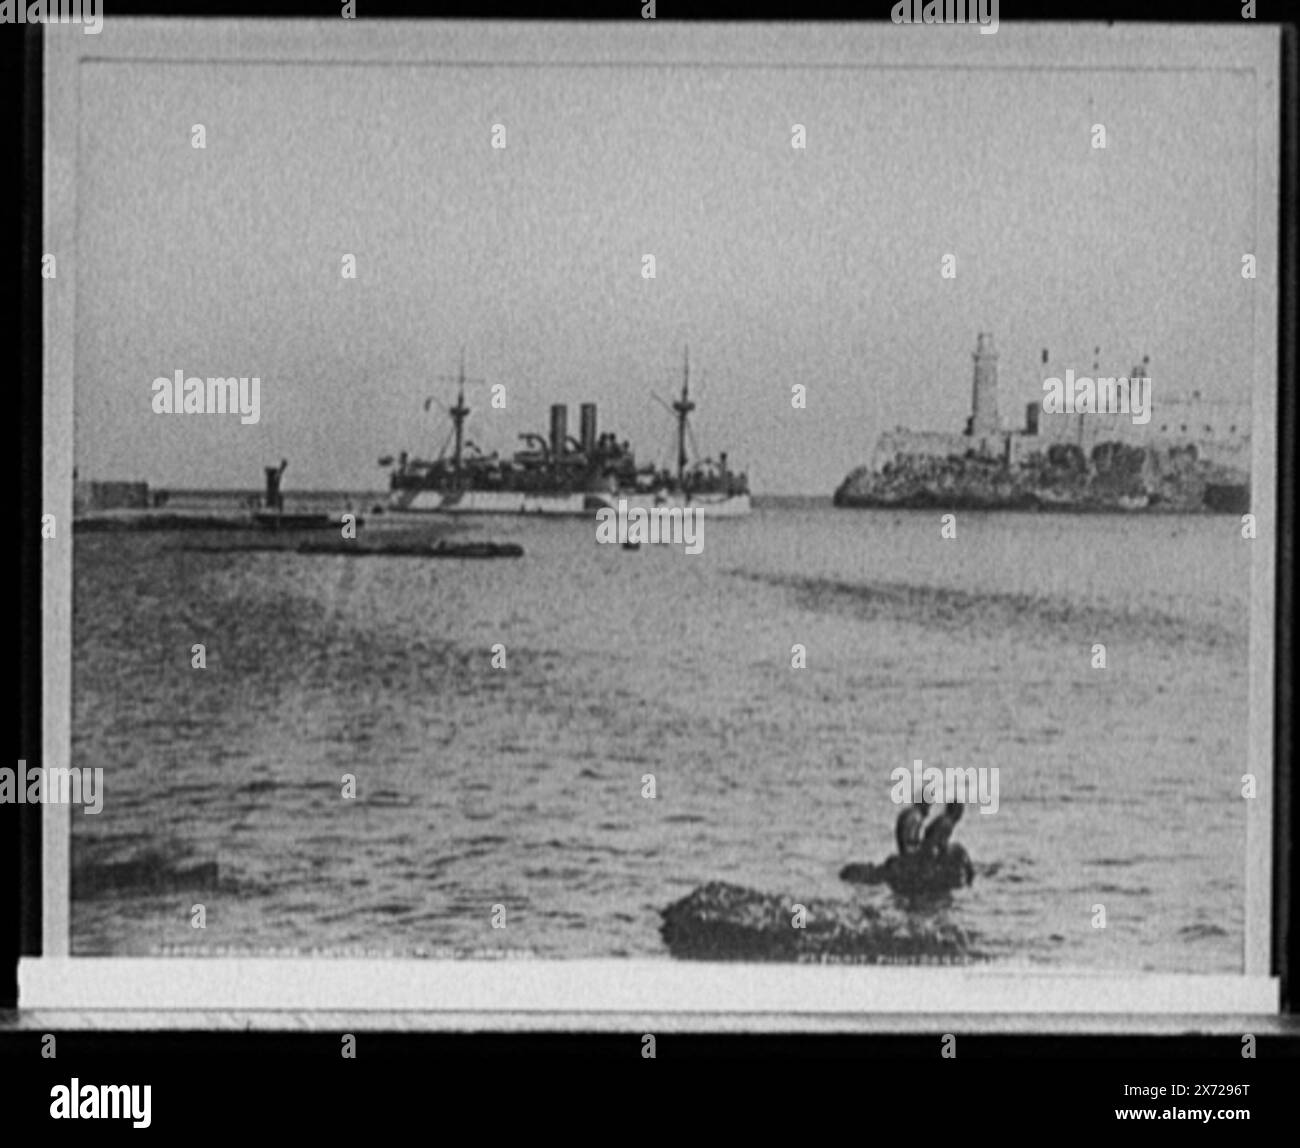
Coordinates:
[691,519]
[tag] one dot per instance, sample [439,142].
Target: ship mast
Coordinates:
[683,408]
[459,413]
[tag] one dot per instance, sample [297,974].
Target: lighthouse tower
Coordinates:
[984,402]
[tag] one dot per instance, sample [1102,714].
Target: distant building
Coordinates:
[1219,430]
[88,496]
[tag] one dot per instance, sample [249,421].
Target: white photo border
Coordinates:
[476,995]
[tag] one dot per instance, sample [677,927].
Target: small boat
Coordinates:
[476,550]
[417,549]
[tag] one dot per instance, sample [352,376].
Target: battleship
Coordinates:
[561,475]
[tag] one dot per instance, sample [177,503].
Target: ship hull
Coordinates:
[715,506]
[573,504]
[488,502]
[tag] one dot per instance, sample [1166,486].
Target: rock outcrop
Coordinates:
[1114,477]
[721,922]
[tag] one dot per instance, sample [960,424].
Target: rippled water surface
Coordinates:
[522,786]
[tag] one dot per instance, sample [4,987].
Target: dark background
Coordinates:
[1034,1084]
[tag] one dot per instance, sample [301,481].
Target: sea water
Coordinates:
[500,719]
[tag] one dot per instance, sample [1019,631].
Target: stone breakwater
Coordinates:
[1114,477]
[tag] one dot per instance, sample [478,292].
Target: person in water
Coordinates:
[939,832]
[907,832]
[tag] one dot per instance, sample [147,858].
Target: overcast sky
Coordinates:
[778,266]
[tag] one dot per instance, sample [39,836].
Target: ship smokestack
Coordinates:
[588,416]
[559,429]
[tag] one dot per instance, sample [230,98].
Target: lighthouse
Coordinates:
[984,400]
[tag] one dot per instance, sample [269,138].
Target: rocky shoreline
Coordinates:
[1114,478]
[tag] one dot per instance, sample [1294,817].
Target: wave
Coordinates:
[994,611]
